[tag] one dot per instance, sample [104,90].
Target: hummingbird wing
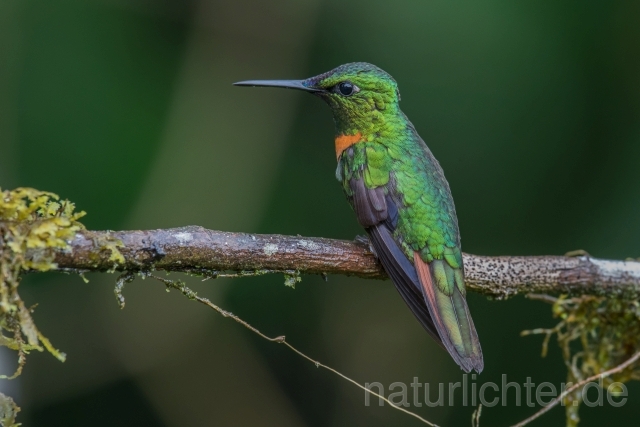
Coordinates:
[378,214]
[403,276]
[434,292]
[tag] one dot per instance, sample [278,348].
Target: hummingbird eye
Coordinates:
[347,88]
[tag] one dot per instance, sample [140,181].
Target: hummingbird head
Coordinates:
[364,99]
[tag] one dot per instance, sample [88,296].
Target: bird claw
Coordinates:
[362,240]
[365,242]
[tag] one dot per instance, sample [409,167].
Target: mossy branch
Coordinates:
[210,253]
[39,233]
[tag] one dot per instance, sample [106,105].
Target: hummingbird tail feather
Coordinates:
[447,305]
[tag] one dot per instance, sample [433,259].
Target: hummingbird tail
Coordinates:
[444,293]
[445,317]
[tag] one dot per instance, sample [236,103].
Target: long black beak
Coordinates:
[290,84]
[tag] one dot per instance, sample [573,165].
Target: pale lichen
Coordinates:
[270,249]
[107,243]
[8,411]
[123,279]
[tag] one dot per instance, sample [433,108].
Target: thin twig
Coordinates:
[475,417]
[576,386]
[180,286]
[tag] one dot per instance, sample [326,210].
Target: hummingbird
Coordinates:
[400,196]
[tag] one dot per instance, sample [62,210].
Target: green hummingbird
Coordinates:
[400,196]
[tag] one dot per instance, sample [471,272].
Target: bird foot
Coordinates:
[364,241]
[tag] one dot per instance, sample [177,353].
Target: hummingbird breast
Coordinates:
[404,169]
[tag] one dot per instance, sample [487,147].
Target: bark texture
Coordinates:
[198,250]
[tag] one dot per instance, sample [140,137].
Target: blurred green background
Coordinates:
[127,108]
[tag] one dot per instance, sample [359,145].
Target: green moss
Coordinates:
[595,334]
[292,278]
[36,223]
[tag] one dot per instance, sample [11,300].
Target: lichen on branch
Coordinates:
[595,334]
[37,223]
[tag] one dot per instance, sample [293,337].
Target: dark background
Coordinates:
[127,109]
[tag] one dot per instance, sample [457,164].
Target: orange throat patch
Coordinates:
[345,141]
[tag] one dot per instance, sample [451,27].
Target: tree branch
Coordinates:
[198,250]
